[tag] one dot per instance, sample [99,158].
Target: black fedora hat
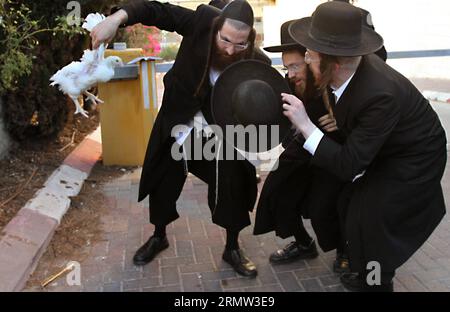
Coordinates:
[248,93]
[287,42]
[336,28]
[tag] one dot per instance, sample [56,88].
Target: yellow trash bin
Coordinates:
[130,108]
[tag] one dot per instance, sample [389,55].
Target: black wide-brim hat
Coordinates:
[336,28]
[287,42]
[248,93]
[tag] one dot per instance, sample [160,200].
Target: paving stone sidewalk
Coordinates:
[193,260]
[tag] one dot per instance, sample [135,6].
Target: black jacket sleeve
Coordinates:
[374,126]
[165,16]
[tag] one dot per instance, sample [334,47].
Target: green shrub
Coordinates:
[26,65]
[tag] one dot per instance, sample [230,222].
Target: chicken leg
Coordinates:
[79,109]
[95,100]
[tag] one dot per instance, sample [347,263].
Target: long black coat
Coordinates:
[297,188]
[179,103]
[393,133]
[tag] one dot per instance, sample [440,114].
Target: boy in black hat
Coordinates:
[296,188]
[395,151]
[212,40]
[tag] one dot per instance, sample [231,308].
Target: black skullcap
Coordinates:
[220,4]
[239,10]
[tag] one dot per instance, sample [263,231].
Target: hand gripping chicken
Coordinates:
[78,77]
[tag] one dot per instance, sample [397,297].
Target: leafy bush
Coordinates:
[36,42]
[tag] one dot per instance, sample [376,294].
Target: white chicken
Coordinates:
[78,77]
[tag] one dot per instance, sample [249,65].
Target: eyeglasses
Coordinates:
[309,59]
[293,68]
[237,47]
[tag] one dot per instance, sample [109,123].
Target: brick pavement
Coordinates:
[193,260]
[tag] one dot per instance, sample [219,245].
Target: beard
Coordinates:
[221,60]
[307,90]
[299,89]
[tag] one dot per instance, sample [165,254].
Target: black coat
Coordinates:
[179,103]
[393,133]
[297,188]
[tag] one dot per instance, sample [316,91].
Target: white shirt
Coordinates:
[213,75]
[338,92]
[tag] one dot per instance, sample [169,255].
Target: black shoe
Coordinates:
[258,179]
[240,263]
[294,251]
[341,264]
[150,249]
[355,282]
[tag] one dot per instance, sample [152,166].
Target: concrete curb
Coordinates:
[26,237]
[436,96]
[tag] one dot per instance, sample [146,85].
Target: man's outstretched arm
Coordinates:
[165,16]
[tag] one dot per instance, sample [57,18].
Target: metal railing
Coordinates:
[276,61]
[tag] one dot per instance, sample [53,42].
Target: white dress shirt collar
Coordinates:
[339,91]
[213,76]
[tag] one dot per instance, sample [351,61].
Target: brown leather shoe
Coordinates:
[150,249]
[240,263]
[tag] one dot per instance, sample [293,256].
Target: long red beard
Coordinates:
[300,90]
[220,61]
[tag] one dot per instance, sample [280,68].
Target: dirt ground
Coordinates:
[28,165]
[80,227]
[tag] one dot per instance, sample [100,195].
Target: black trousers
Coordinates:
[164,199]
[236,190]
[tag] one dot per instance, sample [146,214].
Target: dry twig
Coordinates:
[70,144]
[21,188]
